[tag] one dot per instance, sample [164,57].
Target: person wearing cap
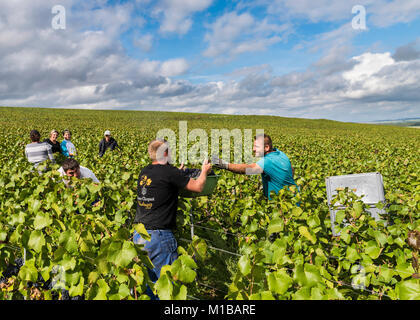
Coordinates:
[107,142]
[52,141]
[36,151]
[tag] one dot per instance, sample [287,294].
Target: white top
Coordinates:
[84,173]
[71,149]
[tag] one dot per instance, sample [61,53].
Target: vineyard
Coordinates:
[233,244]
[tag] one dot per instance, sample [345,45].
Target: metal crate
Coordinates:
[368,185]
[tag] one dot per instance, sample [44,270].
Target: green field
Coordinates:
[303,260]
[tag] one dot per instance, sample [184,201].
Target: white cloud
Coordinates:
[386,13]
[367,65]
[177,14]
[315,11]
[233,34]
[86,66]
[174,67]
[379,77]
[82,65]
[380,13]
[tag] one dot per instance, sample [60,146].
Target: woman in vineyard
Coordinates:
[52,141]
[37,152]
[67,147]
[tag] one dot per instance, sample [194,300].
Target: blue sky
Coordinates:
[297,58]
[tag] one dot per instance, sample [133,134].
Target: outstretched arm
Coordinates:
[241,168]
[244,168]
[197,185]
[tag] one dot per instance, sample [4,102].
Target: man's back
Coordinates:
[38,152]
[277,172]
[157,195]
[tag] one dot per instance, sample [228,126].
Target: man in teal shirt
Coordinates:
[274,166]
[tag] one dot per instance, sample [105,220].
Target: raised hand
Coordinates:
[219,163]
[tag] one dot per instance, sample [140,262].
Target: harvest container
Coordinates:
[209,187]
[368,185]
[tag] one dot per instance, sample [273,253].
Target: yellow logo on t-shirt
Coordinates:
[145,181]
[148,206]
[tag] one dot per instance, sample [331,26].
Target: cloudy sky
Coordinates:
[292,58]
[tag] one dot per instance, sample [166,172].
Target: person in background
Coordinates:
[52,141]
[72,168]
[67,147]
[36,151]
[107,142]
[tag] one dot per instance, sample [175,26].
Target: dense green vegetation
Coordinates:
[280,251]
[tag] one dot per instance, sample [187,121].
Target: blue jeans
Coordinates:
[161,249]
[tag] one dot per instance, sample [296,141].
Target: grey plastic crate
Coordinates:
[369,185]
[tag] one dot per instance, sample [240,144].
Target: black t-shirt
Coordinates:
[157,196]
[55,146]
[103,145]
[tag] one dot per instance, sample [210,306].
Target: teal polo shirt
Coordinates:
[277,172]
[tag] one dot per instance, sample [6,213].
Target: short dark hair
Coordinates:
[267,140]
[34,135]
[67,130]
[70,164]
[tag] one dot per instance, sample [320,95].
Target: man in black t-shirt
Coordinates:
[157,201]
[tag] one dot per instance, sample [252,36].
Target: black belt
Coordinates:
[155,228]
